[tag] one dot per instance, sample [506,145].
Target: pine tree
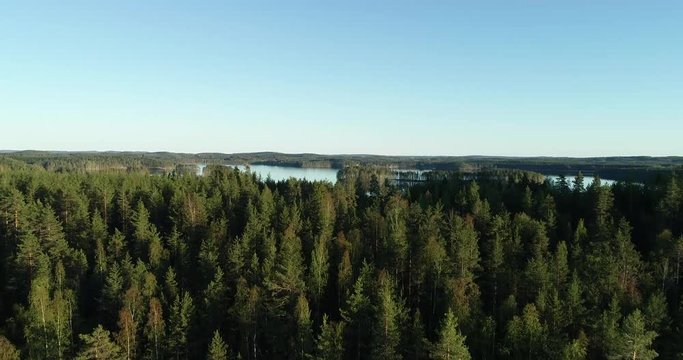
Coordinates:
[330,343]
[655,313]
[357,312]
[418,347]
[116,246]
[246,310]
[451,343]
[396,245]
[218,350]
[627,259]
[7,350]
[560,266]
[319,270]
[603,201]
[389,314]
[574,302]
[30,258]
[98,345]
[287,281]
[608,327]
[170,285]
[215,304]
[634,340]
[463,247]
[302,316]
[576,349]
[578,243]
[143,230]
[344,274]
[670,205]
[526,334]
[179,325]
[578,183]
[527,201]
[98,233]
[112,292]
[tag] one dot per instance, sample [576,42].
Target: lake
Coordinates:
[279,173]
[587,180]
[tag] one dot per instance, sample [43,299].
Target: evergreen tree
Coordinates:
[344,274]
[578,183]
[179,326]
[303,328]
[634,340]
[464,249]
[357,313]
[7,350]
[451,343]
[250,255]
[218,350]
[319,270]
[576,349]
[395,247]
[608,327]
[389,315]
[215,305]
[330,343]
[578,243]
[287,281]
[526,334]
[418,346]
[98,345]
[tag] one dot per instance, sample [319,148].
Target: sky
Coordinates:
[395,77]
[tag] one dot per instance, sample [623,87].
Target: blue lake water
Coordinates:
[587,180]
[280,173]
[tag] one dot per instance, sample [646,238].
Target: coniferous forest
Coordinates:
[113,265]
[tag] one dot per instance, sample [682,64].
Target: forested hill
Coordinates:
[114,265]
[633,168]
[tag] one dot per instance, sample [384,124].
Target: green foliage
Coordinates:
[634,340]
[182,266]
[330,343]
[218,350]
[576,349]
[179,325]
[98,345]
[302,315]
[527,335]
[7,350]
[319,269]
[389,315]
[451,343]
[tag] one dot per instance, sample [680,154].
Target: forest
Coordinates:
[130,265]
[625,168]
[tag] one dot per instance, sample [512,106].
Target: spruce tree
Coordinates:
[389,314]
[218,350]
[98,345]
[330,343]
[7,350]
[634,340]
[450,344]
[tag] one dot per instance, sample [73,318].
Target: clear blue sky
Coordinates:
[543,77]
